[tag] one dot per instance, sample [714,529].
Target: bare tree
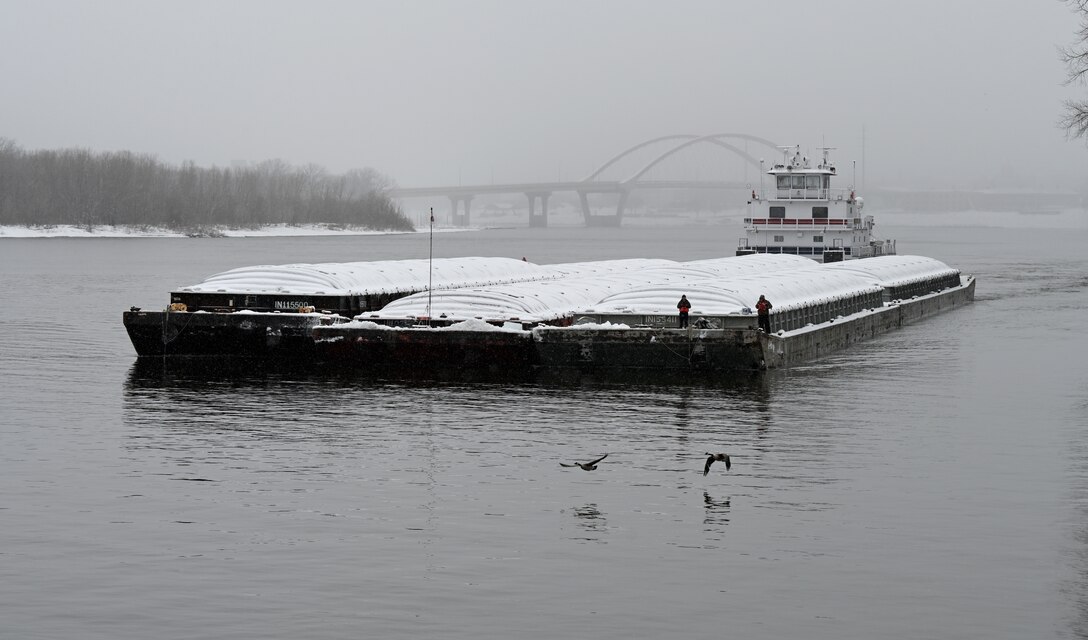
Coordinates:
[1075,57]
[77,186]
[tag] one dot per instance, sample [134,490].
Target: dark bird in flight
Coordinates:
[716,457]
[586,466]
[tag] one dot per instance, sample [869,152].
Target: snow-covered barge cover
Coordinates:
[897,271]
[500,289]
[789,289]
[585,286]
[384,276]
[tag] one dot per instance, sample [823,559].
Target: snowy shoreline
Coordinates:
[1066,219]
[124,231]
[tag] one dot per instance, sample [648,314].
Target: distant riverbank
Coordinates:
[123,231]
[1064,219]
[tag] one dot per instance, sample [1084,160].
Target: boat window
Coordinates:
[817,238]
[812,182]
[798,182]
[827,182]
[780,238]
[819,212]
[778,212]
[783,182]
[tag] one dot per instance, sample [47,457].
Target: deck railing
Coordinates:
[815,193]
[806,222]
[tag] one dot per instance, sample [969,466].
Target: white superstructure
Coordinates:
[800,214]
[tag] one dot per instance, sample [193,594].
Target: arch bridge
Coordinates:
[461,196]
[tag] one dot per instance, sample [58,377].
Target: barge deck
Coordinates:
[477,345]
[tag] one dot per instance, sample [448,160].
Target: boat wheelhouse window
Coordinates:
[817,238]
[798,182]
[780,238]
[812,182]
[819,212]
[827,182]
[783,182]
[778,212]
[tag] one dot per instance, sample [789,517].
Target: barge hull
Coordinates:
[820,340]
[604,350]
[657,349]
[496,352]
[161,333]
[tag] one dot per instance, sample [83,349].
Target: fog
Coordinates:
[920,94]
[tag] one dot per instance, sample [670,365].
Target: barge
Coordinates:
[831,285]
[270,310]
[808,248]
[819,308]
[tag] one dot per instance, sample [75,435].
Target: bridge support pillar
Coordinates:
[603,220]
[583,197]
[622,204]
[540,220]
[460,219]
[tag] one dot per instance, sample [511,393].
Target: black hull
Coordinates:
[410,351]
[252,335]
[650,350]
[316,340]
[645,353]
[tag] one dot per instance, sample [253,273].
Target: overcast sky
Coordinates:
[947,92]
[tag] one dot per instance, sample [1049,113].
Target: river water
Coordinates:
[931,483]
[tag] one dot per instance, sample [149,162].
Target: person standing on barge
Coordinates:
[684,306]
[763,310]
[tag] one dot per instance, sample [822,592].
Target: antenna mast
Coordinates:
[785,154]
[430,267]
[762,195]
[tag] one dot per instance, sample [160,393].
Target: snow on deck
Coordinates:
[894,271]
[786,290]
[383,276]
[401,276]
[507,288]
[545,300]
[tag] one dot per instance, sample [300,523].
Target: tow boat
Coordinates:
[802,215]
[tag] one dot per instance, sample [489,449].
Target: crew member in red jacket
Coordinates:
[763,309]
[684,306]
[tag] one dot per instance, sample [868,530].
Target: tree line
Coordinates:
[88,189]
[1075,57]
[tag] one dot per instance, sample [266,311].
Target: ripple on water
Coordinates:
[871,490]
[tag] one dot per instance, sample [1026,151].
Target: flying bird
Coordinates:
[716,457]
[586,466]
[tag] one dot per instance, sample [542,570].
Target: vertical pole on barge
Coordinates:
[430,269]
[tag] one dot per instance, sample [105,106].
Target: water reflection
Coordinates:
[181,372]
[740,382]
[716,512]
[186,371]
[683,410]
[1077,590]
[591,520]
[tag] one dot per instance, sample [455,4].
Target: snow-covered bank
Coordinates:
[121,231]
[1063,219]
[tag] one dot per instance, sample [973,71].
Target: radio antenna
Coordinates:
[430,267]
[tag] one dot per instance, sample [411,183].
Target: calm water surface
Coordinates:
[932,483]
